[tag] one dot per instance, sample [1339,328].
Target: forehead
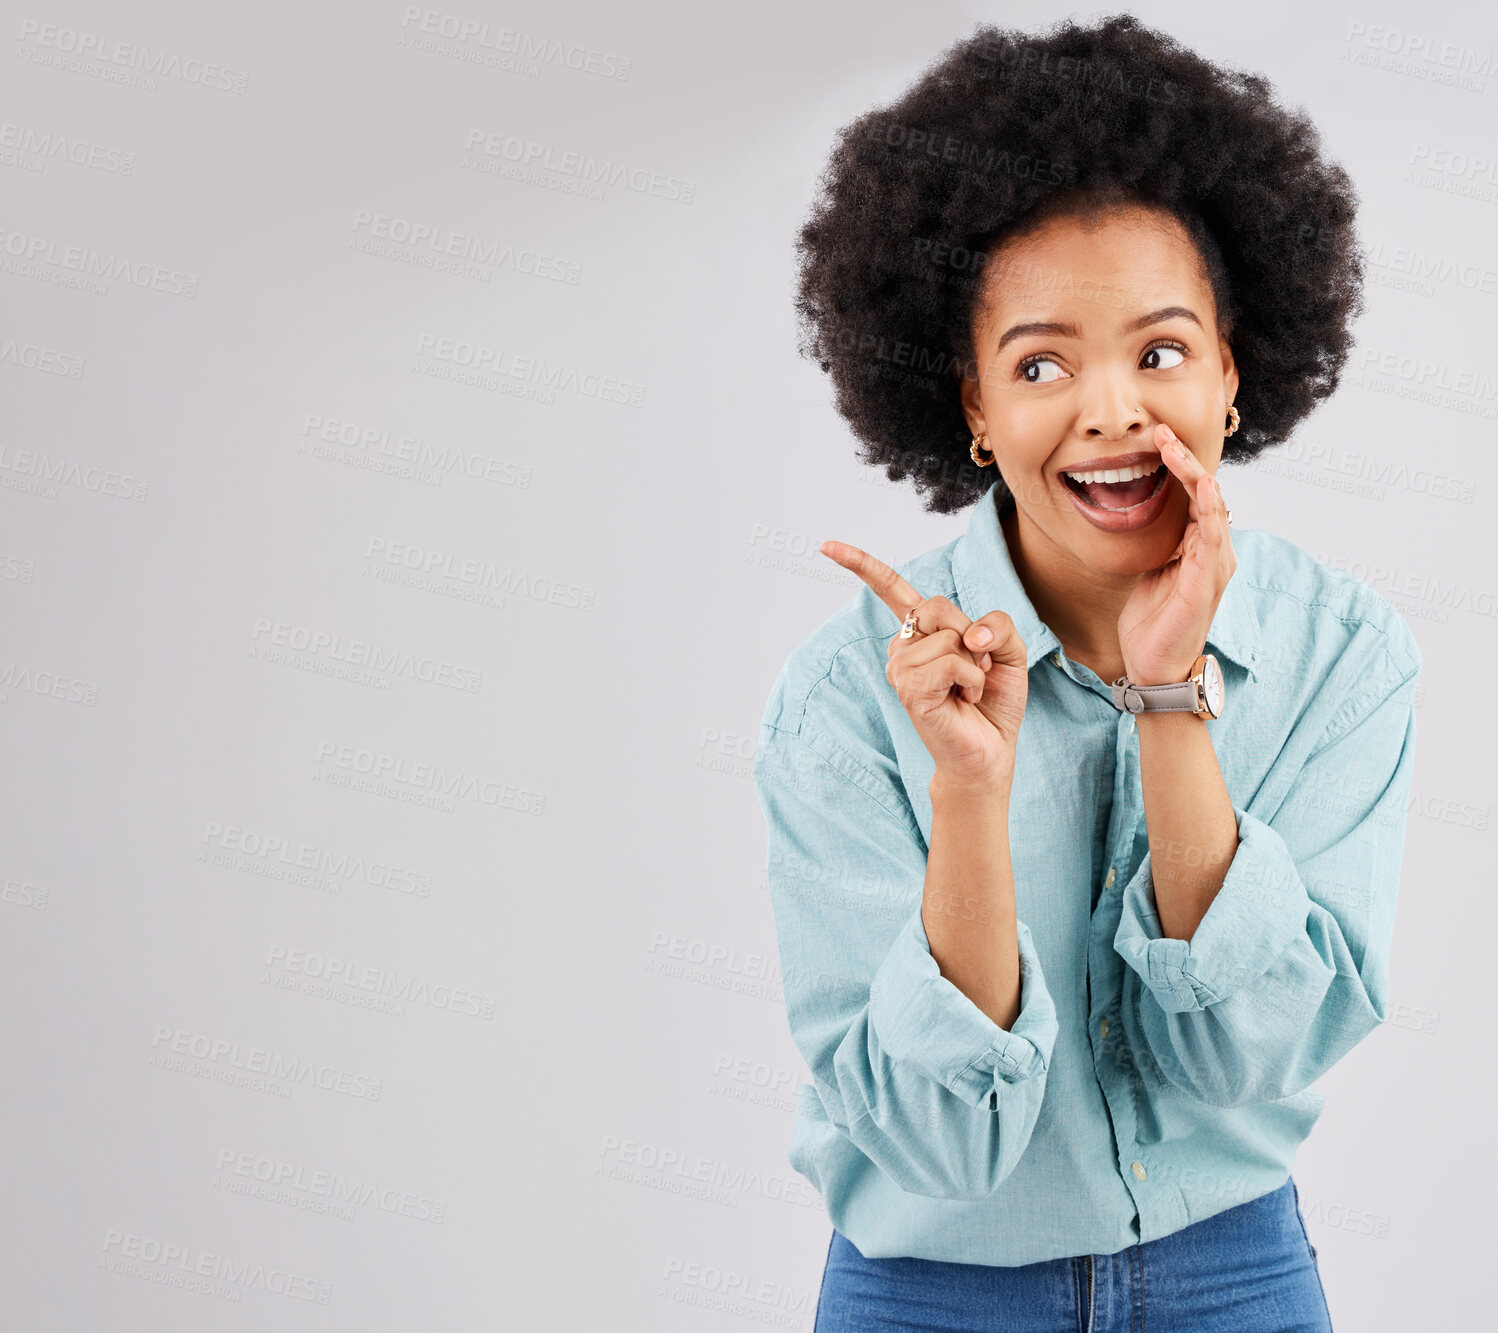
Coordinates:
[1116,263]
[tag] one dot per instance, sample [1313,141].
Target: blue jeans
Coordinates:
[1249,1269]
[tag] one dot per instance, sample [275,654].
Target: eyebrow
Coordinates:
[1070,330]
[1161,315]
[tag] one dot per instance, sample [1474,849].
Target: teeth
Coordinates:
[1115,474]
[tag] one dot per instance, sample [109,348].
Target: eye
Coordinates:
[1169,349]
[1035,362]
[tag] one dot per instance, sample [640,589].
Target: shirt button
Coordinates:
[1137,1168]
[1104,1029]
[1108,883]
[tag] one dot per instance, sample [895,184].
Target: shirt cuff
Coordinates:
[924,1022]
[1260,910]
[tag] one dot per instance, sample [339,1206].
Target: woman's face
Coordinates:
[1091,337]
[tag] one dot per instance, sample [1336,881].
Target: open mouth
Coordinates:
[1119,496]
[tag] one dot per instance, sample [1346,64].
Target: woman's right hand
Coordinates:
[964,695]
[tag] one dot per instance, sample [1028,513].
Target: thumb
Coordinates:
[1005,648]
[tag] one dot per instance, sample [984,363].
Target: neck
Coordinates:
[1079,604]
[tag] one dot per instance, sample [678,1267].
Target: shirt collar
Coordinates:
[985,578]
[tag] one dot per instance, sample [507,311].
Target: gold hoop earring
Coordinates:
[1233,421]
[973,450]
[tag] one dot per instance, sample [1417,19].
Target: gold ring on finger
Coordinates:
[908,629]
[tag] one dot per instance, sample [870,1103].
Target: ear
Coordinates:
[970,392]
[1229,369]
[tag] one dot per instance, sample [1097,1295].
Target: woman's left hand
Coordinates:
[1164,624]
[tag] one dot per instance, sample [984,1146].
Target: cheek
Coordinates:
[1024,437]
[1192,411]
[1202,395]
[1030,428]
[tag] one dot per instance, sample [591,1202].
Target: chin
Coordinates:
[1132,552]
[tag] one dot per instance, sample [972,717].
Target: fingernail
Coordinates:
[982,635]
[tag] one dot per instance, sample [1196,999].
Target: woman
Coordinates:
[1086,827]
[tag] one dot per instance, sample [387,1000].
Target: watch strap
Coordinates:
[1179,697]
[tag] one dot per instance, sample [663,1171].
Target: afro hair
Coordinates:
[1006,128]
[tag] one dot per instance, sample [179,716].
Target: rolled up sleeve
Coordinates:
[910,1070]
[1288,969]
[933,1029]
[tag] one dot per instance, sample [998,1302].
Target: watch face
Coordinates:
[1212,686]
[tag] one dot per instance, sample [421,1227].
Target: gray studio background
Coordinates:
[371,619]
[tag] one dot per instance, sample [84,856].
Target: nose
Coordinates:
[1109,408]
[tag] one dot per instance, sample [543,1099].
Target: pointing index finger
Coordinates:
[888,586]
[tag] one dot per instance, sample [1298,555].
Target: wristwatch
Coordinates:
[1204,692]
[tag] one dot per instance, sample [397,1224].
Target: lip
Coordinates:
[1111,461]
[1124,520]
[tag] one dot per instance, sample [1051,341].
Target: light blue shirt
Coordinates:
[1147,1082]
